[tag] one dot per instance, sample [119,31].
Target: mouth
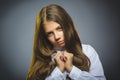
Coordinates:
[60,42]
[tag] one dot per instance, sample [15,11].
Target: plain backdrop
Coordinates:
[97,23]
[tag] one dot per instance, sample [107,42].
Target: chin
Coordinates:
[62,46]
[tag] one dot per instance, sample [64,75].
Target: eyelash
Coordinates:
[50,33]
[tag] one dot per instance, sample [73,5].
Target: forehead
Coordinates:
[50,26]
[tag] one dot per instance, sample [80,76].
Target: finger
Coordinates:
[66,53]
[59,56]
[52,57]
[62,58]
[65,58]
[59,52]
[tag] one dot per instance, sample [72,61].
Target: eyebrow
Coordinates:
[55,29]
[58,27]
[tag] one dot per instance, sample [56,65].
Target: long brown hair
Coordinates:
[41,65]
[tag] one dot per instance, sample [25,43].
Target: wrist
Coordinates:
[61,69]
[69,69]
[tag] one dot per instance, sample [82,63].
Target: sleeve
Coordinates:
[56,75]
[96,70]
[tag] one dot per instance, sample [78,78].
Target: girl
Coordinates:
[57,51]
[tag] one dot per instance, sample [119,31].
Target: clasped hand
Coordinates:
[64,61]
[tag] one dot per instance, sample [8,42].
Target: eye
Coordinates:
[49,34]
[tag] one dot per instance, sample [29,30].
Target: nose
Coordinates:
[57,36]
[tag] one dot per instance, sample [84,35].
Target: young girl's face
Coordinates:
[54,33]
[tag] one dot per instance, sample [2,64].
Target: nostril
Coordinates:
[57,39]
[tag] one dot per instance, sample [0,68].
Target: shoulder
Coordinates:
[89,51]
[96,66]
[86,47]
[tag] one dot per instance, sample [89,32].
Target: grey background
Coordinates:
[96,21]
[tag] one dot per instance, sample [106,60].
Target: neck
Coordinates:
[59,48]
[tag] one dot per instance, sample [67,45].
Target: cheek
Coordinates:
[62,35]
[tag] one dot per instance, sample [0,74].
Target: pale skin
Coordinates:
[64,61]
[55,35]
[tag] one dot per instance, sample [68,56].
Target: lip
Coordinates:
[60,42]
